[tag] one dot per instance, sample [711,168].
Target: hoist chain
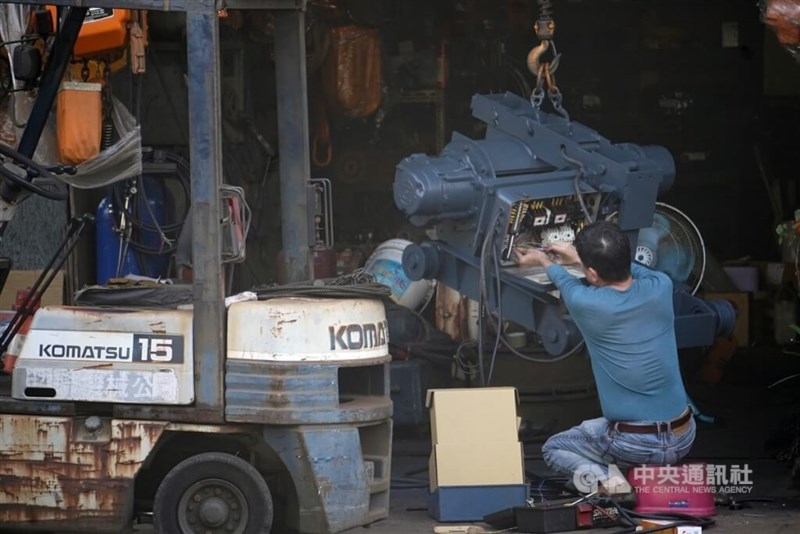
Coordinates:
[545,28]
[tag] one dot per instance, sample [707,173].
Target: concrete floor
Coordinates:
[770,481]
[748,413]
[409,516]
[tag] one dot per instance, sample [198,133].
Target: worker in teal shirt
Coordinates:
[626,317]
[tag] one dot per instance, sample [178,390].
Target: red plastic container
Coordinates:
[672,489]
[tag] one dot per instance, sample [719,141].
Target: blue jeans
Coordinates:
[595,444]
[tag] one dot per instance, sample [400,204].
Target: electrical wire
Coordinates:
[579,194]
[262,186]
[484,293]
[499,323]
[358,276]
[498,290]
[782,380]
[470,369]
[168,232]
[164,238]
[122,254]
[676,519]
[577,183]
[370,291]
[574,350]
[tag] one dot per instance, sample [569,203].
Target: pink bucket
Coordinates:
[679,489]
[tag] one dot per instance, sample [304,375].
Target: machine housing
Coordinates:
[535,178]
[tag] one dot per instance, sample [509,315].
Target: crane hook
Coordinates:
[545,30]
[533,57]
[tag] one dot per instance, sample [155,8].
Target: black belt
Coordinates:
[654,428]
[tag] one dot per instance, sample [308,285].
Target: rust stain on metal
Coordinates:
[324,488]
[452,313]
[52,469]
[99,366]
[158,327]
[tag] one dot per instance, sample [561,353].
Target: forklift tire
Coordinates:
[213,493]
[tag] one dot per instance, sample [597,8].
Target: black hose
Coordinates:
[35,172]
[359,291]
[168,233]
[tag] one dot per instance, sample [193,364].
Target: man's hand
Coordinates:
[564,254]
[532,256]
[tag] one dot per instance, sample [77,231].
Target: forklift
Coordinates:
[255,415]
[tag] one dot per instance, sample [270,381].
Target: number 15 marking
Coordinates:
[159,349]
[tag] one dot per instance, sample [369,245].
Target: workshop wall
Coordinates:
[35,233]
[687,75]
[681,74]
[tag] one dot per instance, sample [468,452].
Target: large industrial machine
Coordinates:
[264,412]
[536,178]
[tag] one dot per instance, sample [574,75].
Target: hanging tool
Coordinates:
[321,149]
[545,29]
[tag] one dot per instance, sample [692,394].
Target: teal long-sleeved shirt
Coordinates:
[630,336]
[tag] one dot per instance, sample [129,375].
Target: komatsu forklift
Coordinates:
[265,415]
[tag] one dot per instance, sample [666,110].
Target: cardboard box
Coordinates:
[473,414]
[478,463]
[473,503]
[54,296]
[742,303]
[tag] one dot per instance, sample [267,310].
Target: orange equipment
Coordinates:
[79,122]
[104,30]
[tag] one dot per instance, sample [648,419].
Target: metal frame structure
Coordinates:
[203,49]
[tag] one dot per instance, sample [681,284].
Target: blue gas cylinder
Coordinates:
[109,241]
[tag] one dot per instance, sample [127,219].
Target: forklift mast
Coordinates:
[258,425]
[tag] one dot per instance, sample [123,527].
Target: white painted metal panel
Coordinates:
[101,355]
[308,330]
